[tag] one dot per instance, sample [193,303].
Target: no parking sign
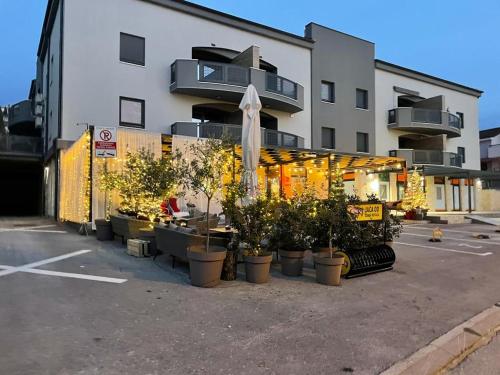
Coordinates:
[105,142]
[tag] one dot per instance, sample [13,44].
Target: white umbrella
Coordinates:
[250,138]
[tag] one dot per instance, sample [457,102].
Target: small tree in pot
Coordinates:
[211,161]
[254,223]
[332,220]
[108,181]
[292,232]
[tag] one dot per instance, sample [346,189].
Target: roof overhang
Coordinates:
[453,172]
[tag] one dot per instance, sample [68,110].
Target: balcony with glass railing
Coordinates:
[17,146]
[269,137]
[428,157]
[424,121]
[228,82]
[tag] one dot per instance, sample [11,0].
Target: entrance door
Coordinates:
[383,191]
[456,198]
[440,199]
[472,196]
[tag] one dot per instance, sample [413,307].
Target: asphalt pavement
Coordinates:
[74,305]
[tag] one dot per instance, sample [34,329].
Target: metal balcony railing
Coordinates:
[216,130]
[433,157]
[20,145]
[281,85]
[223,73]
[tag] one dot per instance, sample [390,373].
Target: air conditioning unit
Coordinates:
[38,122]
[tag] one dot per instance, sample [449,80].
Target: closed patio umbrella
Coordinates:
[250,139]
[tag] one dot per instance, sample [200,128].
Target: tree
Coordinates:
[211,160]
[415,197]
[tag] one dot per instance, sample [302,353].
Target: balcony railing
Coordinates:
[422,120]
[20,145]
[433,157]
[216,130]
[228,82]
[223,73]
[280,85]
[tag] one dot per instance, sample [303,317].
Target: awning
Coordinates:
[453,172]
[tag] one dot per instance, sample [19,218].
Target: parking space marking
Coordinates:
[30,268]
[477,241]
[445,230]
[445,249]
[37,229]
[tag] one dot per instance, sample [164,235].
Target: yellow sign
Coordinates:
[367,211]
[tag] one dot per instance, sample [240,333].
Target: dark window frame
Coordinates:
[461,153]
[461,117]
[133,61]
[331,85]
[366,148]
[143,113]
[365,92]
[332,137]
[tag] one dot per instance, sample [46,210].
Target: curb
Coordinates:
[453,347]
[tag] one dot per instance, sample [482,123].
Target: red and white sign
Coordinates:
[105,142]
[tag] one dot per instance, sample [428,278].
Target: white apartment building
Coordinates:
[173,67]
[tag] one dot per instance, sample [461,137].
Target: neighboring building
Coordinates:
[490,149]
[173,67]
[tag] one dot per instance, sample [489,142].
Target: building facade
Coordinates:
[172,67]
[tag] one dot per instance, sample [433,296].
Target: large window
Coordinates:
[328,91]
[461,153]
[361,99]
[132,49]
[362,142]
[132,112]
[328,138]
[461,117]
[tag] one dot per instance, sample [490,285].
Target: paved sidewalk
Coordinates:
[485,361]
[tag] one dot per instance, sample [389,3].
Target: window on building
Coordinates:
[362,142]
[328,138]
[361,99]
[328,91]
[461,117]
[461,153]
[132,112]
[132,49]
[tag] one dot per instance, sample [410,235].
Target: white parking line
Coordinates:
[444,249]
[30,268]
[478,241]
[26,228]
[419,226]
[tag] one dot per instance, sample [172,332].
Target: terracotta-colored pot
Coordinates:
[291,262]
[328,269]
[257,268]
[205,267]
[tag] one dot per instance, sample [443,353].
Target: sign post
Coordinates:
[105,142]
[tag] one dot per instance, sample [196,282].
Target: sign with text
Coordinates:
[105,142]
[367,211]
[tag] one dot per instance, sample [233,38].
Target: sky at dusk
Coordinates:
[457,40]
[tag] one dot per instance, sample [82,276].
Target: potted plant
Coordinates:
[254,221]
[291,231]
[332,219]
[108,181]
[211,160]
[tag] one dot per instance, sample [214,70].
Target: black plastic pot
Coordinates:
[104,230]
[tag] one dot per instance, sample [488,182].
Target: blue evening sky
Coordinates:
[454,39]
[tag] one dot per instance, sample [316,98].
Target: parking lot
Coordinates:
[73,305]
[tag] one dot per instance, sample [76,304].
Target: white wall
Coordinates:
[94,78]
[386,99]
